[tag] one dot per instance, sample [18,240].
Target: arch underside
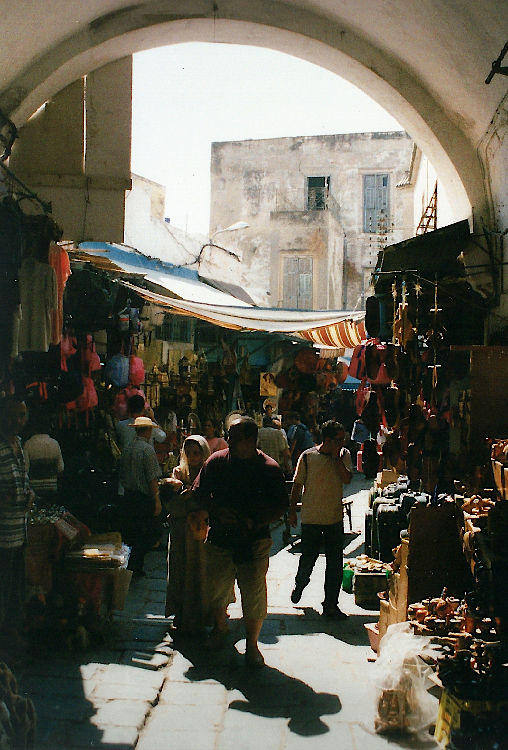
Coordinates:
[279,26]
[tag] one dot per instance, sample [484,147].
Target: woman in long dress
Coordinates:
[187,595]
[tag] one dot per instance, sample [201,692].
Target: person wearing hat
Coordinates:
[139,475]
[269,406]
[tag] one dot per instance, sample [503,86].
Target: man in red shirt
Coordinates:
[244,491]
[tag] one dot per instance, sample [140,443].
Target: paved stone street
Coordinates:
[143,690]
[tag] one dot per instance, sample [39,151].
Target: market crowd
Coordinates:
[220,501]
[218,504]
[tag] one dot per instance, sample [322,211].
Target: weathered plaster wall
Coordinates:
[265,184]
[76,152]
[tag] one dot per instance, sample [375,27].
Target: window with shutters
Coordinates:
[297,282]
[317,193]
[376,204]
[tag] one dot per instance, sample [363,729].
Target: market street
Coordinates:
[145,691]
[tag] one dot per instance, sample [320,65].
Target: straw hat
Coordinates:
[142,422]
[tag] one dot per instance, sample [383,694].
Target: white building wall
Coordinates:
[147,230]
[424,183]
[264,183]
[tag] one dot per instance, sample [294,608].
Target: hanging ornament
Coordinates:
[403,329]
[394,296]
[436,332]
[418,294]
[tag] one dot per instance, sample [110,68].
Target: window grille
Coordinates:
[317,193]
[175,328]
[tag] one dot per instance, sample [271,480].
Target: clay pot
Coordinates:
[421,614]
[433,605]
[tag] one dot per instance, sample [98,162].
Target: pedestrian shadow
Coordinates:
[268,692]
[294,546]
[309,621]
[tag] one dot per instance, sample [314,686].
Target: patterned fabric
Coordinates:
[272,442]
[43,460]
[14,485]
[139,466]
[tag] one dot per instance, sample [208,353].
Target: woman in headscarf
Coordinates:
[186,596]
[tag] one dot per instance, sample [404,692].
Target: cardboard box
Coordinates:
[450,709]
[366,587]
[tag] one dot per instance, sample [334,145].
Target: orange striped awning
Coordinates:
[346,334]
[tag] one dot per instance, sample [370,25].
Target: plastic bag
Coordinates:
[402,680]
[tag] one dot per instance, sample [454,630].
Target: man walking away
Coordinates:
[273,442]
[322,472]
[137,407]
[139,474]
[299,437]
[244,491]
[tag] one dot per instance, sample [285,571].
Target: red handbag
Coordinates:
[375,364]
[357,364]
[136,370]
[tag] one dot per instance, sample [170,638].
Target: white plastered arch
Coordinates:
[277,26]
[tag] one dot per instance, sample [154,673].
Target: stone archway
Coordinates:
[280,26]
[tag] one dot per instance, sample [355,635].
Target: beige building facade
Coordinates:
[318,208]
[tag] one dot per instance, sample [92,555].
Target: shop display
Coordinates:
[17,714]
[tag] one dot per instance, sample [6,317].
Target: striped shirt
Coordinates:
[14,486]
[139,466]
[43,460]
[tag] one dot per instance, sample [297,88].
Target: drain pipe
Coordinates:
[344,275]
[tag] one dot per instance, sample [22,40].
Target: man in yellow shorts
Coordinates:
[244,491]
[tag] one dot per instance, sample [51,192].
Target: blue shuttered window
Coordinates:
[376,202]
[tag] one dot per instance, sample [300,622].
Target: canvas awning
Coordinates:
[188,295]
[122,261]
[340,328]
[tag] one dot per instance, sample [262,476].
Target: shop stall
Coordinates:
[432,412]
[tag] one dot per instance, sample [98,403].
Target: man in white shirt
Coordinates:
[139,475]
[44,462]
[321,473]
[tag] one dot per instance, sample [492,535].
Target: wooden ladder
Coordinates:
[428,222]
